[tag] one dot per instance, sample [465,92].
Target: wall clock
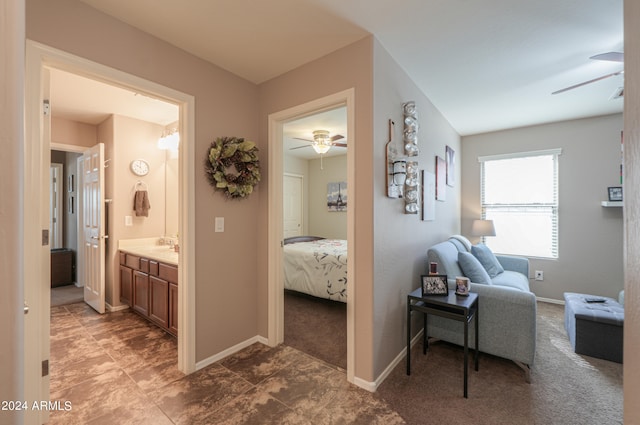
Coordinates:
[140,167]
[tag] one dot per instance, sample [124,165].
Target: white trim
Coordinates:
[40,56]
[68,148]
[557,151]
[112,309]
[231,350]
[275,285]
[550,300]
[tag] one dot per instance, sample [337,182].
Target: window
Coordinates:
[519,192]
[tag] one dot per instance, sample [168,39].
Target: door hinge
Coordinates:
[45,367]
[45,237]
[46,107]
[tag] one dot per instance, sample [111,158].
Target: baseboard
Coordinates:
[550,300]
[231,350]
[373,386]
[112,309]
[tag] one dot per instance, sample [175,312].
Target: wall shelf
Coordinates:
[612,203]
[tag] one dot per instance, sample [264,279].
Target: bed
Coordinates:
[316,266]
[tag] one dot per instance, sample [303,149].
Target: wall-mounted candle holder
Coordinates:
[411,189]
[410,133]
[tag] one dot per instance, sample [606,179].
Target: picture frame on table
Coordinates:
[615,193]
[434,284]
[462,286]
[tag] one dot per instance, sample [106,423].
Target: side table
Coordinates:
[456,307]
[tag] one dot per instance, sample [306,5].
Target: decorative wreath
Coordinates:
[233,167]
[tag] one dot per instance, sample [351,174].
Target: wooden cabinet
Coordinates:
[126,285]
[150,288]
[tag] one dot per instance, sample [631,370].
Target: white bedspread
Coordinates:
[317,268]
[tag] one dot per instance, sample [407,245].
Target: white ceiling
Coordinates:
[486,65]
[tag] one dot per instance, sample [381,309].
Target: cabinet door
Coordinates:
[126,286]
[159,306]
[141,292]
[173,308]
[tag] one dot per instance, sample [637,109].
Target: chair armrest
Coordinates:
[514,263]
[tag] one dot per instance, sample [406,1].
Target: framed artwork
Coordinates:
[451,166]
[337,196]
[441,179]
[615,193]
[435,284]
[428,183]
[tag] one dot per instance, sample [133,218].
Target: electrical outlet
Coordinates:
[539,275]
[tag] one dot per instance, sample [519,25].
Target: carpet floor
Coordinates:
[566,388]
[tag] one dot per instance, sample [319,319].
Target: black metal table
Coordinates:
[455,307]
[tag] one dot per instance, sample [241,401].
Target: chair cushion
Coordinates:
[512,280]
[472,268]
[487,259]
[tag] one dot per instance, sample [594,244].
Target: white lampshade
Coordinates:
[320,148]
[483,228]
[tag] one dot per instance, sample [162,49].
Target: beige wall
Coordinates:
[226,105]
[632,211]
[346,68]
[11,240]
[401,240]
[70,132]
[332,225]
[590,236]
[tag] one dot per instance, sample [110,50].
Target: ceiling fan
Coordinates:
[322,142]
[609,56]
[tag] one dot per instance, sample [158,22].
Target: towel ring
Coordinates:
[141,184]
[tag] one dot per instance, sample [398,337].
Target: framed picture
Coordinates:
[435,284]
[441,179]
[615,193]
[337,196]
[451,166]
[462,286]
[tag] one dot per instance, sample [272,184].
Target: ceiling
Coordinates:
[334,121]
[486,65]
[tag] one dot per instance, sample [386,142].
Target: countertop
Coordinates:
[149,249]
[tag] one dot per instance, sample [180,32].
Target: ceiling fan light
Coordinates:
[321,148]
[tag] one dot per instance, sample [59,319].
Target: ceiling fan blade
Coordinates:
[306,140]
[337,137]
[609,56]
[575,86]
[340,145]
[300,147]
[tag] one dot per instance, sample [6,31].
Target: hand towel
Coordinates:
[141,203]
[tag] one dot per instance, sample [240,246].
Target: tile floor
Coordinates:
[118,368]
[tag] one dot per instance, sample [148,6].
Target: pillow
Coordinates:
[487,259]
[472,268]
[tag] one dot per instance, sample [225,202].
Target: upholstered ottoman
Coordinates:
[595,328]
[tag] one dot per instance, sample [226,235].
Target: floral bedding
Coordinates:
[317,268]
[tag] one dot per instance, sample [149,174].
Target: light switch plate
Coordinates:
[219,226]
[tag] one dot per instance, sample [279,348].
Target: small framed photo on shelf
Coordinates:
[462,286]
[435,284]
[615,193]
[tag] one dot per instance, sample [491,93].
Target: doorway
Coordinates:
[36,205]
[277,122]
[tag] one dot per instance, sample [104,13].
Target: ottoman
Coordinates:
[595,328]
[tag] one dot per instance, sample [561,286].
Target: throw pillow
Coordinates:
[487,259]
[472,268]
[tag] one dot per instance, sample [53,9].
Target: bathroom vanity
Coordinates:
[149,284]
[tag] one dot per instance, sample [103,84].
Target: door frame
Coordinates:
[275,232]
[36,203]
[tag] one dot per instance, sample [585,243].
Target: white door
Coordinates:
[55,204]
[292,196]
[93,230]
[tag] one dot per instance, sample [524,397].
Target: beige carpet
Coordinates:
[566,388]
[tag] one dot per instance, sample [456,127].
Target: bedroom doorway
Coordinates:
[281,165]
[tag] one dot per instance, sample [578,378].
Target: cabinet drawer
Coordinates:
[169,273]
[144,265]
[153,268]
[132,261]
